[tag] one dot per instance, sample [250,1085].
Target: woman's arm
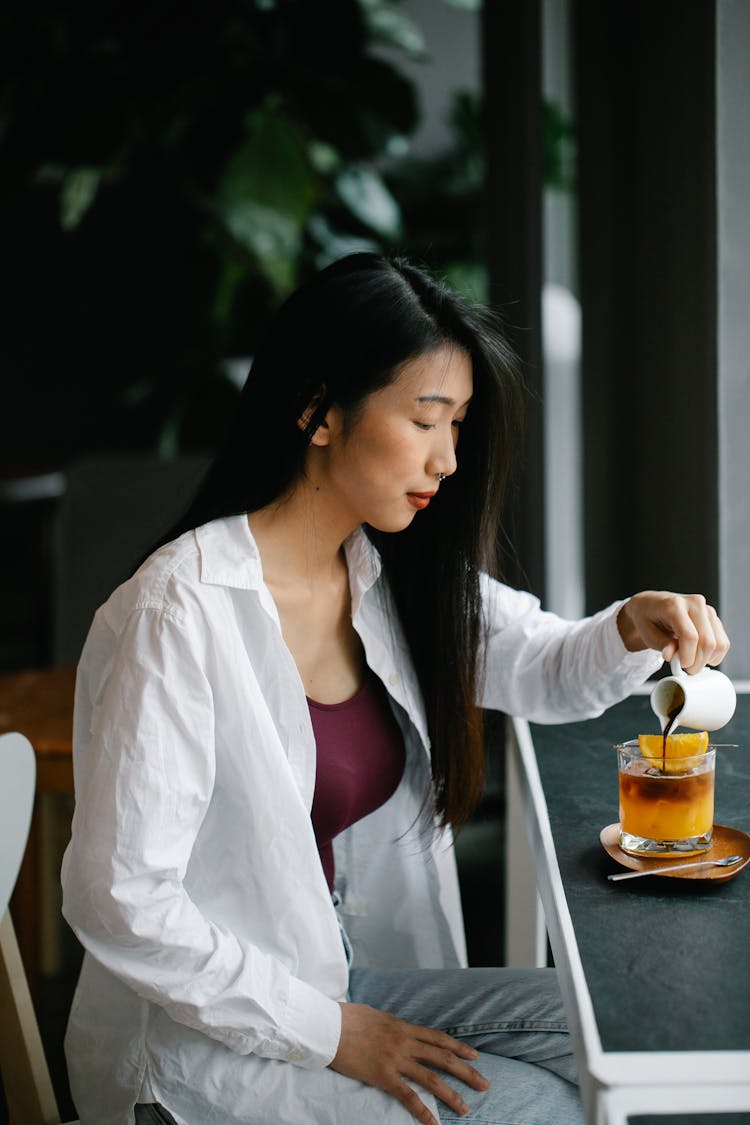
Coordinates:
[550,670]
[145,772]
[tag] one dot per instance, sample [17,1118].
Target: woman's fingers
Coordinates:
[685,617]
[428,1080]
[722,642]
[427,1066]
[411,1100]
[447,1059]
[681,625]
[698,634]
[384,1051]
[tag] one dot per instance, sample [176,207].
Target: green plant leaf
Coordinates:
[269,188]
[324,158]
[229,278]
[334,244]
[272,237]
[357,113]
[272,167]
[559,148]
[77,193]
[469,278]
[389,23]
[168,442]
[362,190]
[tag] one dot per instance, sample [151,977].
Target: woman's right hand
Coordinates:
[381,1050]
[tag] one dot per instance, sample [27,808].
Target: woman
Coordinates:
[277,723]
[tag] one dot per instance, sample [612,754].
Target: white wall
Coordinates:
[561,321]
[733,278]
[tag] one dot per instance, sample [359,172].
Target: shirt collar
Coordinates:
[229,554]
[230,557]
[364,563]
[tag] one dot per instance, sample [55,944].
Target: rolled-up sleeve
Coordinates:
[145,771]
[543,668]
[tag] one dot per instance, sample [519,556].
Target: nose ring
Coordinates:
[441,476]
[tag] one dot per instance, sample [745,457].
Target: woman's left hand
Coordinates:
[681,625]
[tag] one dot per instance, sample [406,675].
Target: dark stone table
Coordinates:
[656,971]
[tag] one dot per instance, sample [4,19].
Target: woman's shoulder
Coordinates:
[186,572]
[161,583]
[171,566]
[153,596]
[176,601]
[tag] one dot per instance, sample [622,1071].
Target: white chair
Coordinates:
[26,1080]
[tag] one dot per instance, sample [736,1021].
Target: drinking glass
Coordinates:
[666,806]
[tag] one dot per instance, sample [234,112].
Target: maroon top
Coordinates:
[360,760]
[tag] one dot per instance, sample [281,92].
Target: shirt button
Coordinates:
[294,1056]
[393,679]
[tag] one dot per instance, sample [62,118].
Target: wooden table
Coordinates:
[39,704]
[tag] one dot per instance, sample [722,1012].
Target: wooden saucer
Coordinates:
[726,841]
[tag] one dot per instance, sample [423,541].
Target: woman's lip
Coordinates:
[419,500]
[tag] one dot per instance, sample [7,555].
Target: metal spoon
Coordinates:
[727,861]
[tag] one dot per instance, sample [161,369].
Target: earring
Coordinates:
[441,476]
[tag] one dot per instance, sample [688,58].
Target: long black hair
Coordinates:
[337,339]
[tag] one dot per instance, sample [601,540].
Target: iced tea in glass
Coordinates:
[666,806]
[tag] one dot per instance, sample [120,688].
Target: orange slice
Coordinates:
[678,746]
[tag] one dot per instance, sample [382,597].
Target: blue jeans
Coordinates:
[514,1017]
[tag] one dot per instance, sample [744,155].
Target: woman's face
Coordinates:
[383,468]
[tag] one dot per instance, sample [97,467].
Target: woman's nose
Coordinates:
[443,458]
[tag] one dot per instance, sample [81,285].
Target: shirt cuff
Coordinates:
[312,1026]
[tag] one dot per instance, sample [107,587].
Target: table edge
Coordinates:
[600,1069]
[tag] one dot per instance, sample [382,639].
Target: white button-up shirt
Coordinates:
[193,878]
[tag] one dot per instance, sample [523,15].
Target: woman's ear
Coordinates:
[306,416]
[322,433]
[328,427]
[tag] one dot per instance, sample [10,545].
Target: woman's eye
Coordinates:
[424,425]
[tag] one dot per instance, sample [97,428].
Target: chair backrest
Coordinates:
[26,1081]
[17,781]
[112,511]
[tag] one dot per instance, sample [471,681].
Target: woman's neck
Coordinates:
[306,573]
[297,539]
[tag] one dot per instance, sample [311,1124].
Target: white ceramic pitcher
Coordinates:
[705,701]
